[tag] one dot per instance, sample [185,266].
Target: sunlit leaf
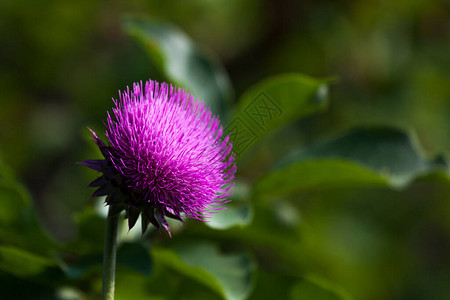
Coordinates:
[230,275]
[183,62]
[238,213]
[365,157]
[163,284]
[230,217]
[272,103]
[391,152]
[132,285]
[316,174]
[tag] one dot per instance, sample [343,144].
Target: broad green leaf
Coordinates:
[366,157]
[436,176]
[132,285]
[183,62]
[391,152]
[231,275]
[317,289]
[272,103]
[316,174]
[230,217]
[163,284]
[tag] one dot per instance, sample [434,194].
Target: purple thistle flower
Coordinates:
[166,157]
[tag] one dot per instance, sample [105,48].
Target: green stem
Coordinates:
[109,257]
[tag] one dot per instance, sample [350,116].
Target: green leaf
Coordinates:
[316,174]
[231,217]
[231,275]
[19,225]
[132,285]
[272,103]
[22,263]
[364,157]
[282,286]
[317,289]
[163,284]
[391,152]
[183,62]
[238,213]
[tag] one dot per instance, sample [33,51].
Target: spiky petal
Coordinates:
[166,158]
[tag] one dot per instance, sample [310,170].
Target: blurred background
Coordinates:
[62,62]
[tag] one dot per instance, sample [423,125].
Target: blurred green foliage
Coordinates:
[341,194]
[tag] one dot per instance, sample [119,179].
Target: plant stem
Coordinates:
[109,257]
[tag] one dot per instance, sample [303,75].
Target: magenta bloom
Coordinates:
[166,157]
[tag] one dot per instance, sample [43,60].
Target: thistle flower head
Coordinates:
[166,157]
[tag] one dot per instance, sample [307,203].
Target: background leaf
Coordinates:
[230,217]
[389,151]
[229,275]
[19,225]
[272,103]
[22,263]
[364,157]
[317,289]
[183,62]
[317,174]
